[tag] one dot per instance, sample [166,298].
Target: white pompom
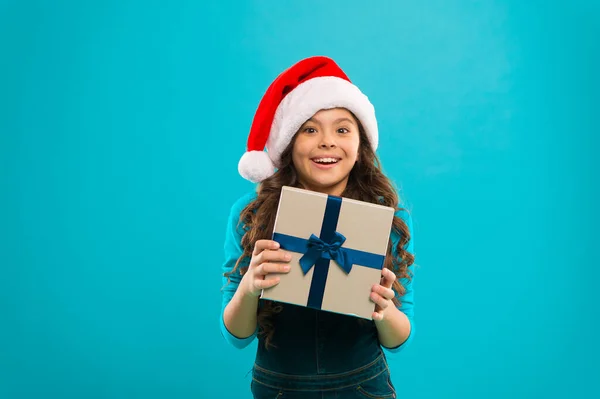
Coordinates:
[256,166]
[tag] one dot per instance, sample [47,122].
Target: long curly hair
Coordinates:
[366,182]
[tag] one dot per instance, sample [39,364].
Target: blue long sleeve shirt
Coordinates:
[319,341]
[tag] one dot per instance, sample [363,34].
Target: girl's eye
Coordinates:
[309,130]
[343,130]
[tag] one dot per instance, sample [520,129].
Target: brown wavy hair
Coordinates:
[365,183]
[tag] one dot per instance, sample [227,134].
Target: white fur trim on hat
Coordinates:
[255,166]
[309,98]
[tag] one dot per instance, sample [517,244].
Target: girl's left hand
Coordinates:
[382,294]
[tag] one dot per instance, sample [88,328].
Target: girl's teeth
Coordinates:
[326,160]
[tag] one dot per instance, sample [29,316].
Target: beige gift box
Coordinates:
[338,247]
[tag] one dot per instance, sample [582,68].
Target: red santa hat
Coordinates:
[297,94]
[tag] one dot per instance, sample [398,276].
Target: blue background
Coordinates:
[121,125]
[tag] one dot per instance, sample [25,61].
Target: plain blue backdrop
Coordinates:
[121,125]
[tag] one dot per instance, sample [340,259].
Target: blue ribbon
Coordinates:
[318,251]
[318,248]
[346,257]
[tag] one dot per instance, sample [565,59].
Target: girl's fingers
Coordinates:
[266,283]
[387,293]
[262,245]
[270,255]
[379,300]
[377,316]
[267,268]
[275,256]
[388,277]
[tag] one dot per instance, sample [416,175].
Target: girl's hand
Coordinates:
[267,258]
[382,294]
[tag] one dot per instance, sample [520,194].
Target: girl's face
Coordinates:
[325,151]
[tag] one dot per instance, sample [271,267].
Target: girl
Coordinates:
[321,134]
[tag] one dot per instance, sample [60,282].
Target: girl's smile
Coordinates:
[325,161]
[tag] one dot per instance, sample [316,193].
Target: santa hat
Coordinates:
[297,94]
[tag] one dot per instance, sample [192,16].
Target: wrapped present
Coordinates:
[338,247]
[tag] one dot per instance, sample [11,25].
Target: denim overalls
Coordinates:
[321,355]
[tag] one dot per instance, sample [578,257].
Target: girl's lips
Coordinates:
[323,165]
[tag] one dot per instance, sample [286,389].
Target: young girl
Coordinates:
[321,134]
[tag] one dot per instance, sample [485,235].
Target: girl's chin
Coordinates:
[323,185]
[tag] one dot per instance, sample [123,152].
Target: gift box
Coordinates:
[338,247]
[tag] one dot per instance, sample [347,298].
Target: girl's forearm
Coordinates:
[240,314]
[394,329]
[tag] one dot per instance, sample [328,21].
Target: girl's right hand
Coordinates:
[267,258]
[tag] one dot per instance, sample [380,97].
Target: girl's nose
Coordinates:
[327,145]
[327,141]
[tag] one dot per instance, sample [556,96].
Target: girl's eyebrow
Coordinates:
[342,119]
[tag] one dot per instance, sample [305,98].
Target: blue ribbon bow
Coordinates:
[317,248]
